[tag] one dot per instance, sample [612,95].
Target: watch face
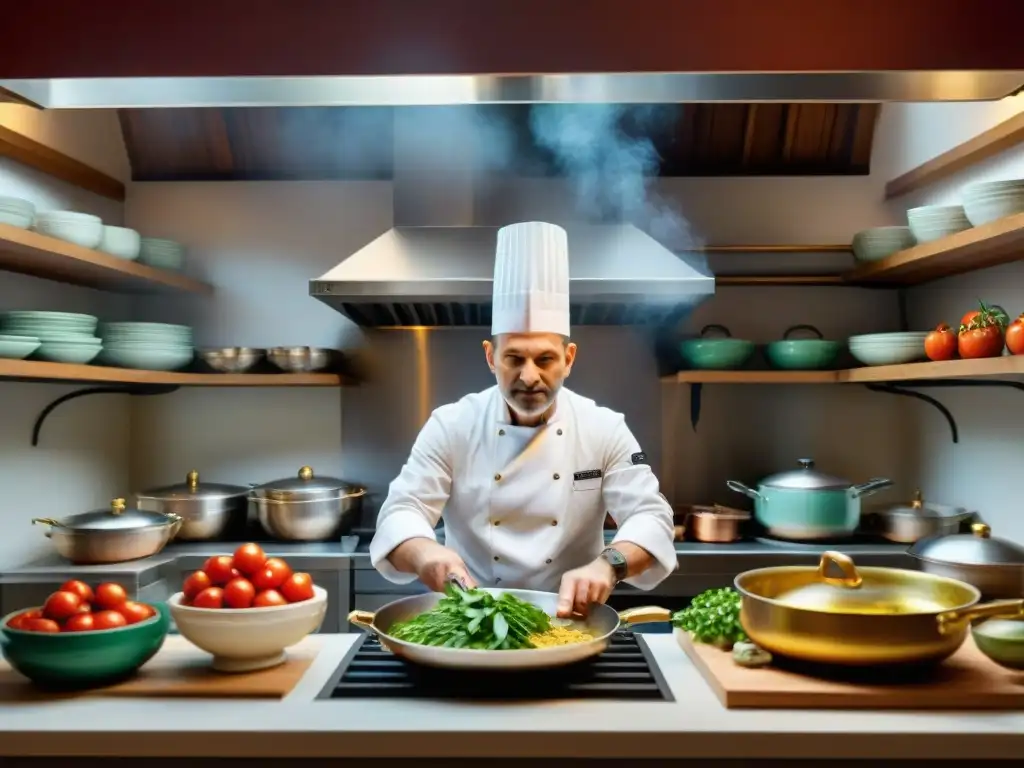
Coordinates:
[617,561]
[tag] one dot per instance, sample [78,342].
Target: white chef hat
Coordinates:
[531,280]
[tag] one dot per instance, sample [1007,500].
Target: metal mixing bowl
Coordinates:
[231,359]
[300,359]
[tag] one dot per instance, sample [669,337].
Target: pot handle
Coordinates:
[735,485]
[851,578]
[363,620]
[802,327]
[645,614]
[355,494]
[47,521]
[951,622]
[874,485]
[175,521]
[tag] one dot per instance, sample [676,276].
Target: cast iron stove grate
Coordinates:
[625,671]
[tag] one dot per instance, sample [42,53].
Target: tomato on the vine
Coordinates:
[982,333]
[940,344]
[1015,336]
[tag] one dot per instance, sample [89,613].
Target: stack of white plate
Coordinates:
[16,212]
[880,242]
[931,222]
[162,254]
[79,228]
[66,337]
[888,348]
[991,200]
[121,242]
[147,346]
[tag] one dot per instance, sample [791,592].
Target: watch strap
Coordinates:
[617,561]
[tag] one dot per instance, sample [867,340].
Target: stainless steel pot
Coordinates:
[307,508]
[113,535]
[805,504]
[207,510]
[994,566]
[916,520]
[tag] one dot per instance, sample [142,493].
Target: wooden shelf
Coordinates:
[998,242]
[997,139]
[31,370]
[1008,365]
[780,281]
[30,253]
[41,157]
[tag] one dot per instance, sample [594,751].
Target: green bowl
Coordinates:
[72,660]
[802,354]
[1002,640]
[17,347]
[716,354]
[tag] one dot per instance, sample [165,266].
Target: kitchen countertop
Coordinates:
[695,725]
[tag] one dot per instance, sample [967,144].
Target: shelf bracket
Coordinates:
[132,389]
[696,390]
[907,390]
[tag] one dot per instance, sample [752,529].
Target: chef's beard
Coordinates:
[537,406]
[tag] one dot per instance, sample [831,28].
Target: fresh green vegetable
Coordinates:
[713,617]
[472,618]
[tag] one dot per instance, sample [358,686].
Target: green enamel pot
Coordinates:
[75,660]
[716,354]
[802,354]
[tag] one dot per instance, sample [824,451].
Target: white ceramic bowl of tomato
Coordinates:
[246,609]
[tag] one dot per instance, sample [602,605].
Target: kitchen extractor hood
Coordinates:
[435,267]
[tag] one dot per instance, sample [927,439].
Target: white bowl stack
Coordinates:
[66,337]
[888,348]
[991,200]
[162,254]
[81,229]
[147,346]
[932,222]
[17,212]
[878,243]
[121,242]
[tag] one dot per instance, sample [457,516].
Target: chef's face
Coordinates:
[530,369]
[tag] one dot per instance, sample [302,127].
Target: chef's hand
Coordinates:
[592,583]
[435,563]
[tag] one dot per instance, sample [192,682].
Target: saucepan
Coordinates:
[862,616]
[602,622]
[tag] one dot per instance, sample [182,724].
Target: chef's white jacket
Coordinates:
[523,505]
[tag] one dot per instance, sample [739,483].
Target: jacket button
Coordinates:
[548,561]
[559,432]
[496,522]
[497,477]
[557,476]
[501,431]
[554,522]
[496,558]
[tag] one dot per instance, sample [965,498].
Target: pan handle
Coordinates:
[645,614]
[362,619]
[951,622]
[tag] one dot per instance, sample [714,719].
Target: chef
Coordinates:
[524,472]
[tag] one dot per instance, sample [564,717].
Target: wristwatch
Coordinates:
[617,561]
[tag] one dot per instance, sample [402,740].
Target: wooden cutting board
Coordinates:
[179,669]
[967,680]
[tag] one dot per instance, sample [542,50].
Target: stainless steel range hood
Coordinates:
[436,266]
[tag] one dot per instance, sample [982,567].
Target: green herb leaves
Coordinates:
[472,618]
[713,617]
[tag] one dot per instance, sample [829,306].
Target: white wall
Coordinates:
[82,460]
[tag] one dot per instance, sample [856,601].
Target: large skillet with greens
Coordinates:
[489,628]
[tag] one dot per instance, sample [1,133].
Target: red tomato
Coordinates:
[211,597]
[80,622]
[1015,336]
[135,612]
[249,559]
[220,569]
[42,625]
[195,584]
[239,593]
[272,575]
[110,596]
[60,605]
[980,342]
[297,587]
[268,599]
[940,344]
[108,620]
[20,621]
[80,588]
[85,608]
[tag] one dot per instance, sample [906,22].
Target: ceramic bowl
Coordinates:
[72,352]
[802,354]
[993,200]
[121,242]
[17,212]
[79,228]
[881,242]
[932,222]
[84,659]
[888,348]
[146,357]
[1002,640]
[17,347]
[242,640]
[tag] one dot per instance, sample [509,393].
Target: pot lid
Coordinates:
[116,517]
[806,478]
[192,489]
[918,507]
[305,486]
[974,548]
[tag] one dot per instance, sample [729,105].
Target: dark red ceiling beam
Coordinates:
[125,38]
